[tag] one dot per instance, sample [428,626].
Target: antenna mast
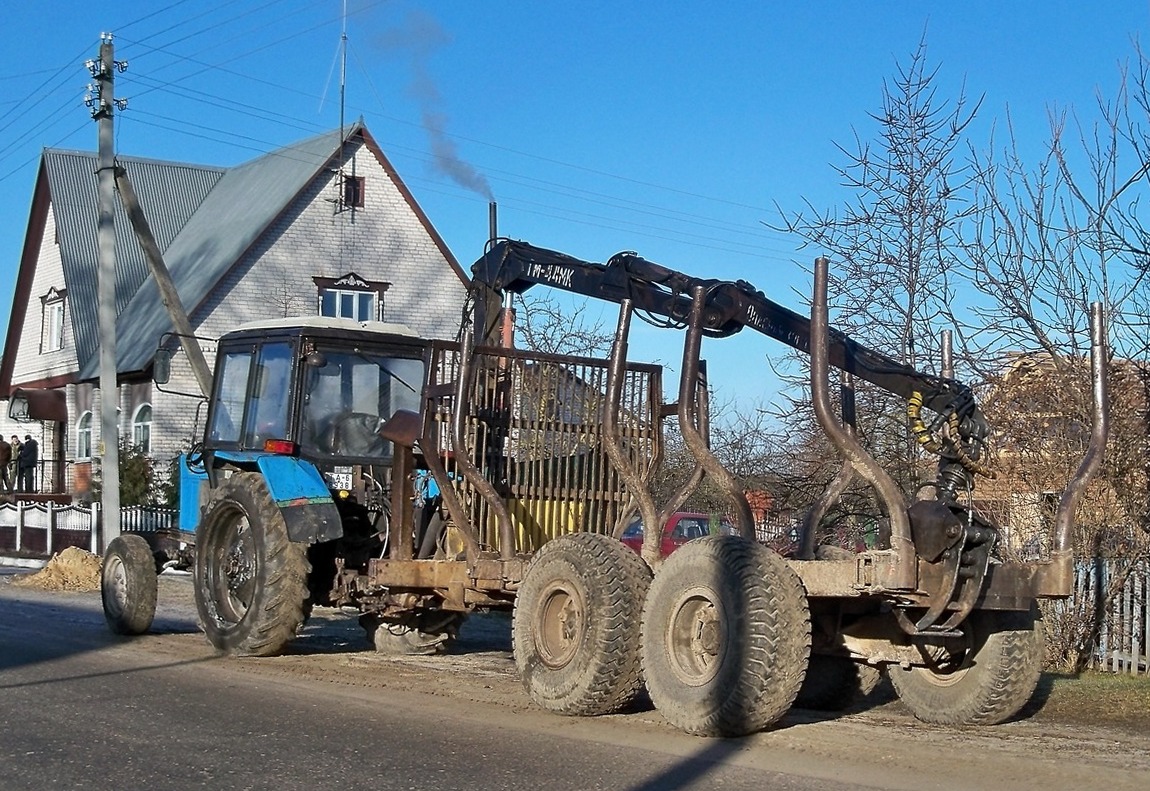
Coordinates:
[342,75]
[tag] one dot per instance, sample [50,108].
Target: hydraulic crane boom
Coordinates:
[513,266]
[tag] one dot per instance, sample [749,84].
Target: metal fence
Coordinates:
[39,530]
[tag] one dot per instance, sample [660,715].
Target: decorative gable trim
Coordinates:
[351,282]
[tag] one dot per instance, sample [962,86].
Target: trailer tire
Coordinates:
[726,636]
[985,683]
[250,578]
[128,585]
[575,625]
[835,683]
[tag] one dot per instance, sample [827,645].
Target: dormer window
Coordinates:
[351,297]
[52,328]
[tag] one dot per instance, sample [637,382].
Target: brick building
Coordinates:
[322,227]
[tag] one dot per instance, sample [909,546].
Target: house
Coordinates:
[1042,408]
[325,226]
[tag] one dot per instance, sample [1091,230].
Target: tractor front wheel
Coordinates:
[128,585]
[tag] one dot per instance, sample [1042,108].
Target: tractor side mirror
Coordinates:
[162,366]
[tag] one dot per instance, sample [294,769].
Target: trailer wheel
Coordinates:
[984,681]
[128,585]
[575,625]
[726,635]
[835,683]
[250,579]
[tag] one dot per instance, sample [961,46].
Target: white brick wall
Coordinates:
[382,241]
[30,363]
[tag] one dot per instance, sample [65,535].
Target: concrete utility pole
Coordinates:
[103,71]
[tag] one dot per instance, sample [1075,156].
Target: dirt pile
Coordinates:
[71,570]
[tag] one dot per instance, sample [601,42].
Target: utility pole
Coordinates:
[103,106]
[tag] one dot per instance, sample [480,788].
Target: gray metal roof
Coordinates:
[169,192]
[241,204]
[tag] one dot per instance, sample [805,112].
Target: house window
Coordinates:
[353,187]
[351,297]
[84,436]
[142,428]
[358,305]
[52,332]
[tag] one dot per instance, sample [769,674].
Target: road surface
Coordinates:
[80,708]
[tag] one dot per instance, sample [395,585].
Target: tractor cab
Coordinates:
[315,387]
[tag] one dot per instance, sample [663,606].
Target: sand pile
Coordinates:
[73,569]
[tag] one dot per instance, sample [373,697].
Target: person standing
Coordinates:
[26,462]
[5,462]
[14,467]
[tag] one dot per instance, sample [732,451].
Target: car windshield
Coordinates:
[348,395]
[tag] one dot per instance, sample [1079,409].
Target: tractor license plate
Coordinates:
[339,479]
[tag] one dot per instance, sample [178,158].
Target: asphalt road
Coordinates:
[80,708]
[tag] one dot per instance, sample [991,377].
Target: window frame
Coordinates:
[84,436]
[352,191]
[52,320]
[146,425]
[350,290]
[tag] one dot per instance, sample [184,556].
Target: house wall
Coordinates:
[31,363]
[382,241]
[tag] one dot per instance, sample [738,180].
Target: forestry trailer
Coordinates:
[415,481]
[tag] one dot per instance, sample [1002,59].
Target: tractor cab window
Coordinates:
[348,395]
[231,390]
[252,396]
[267,416]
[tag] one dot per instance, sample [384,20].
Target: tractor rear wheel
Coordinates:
[575,626]
[985,679]
[726,635]
[250,578]
[128,585]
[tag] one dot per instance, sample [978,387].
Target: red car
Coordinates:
[683,526]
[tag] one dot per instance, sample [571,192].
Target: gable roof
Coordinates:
[168,191]
[204,220]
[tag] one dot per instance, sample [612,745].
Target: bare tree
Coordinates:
[894,246]
[894,249]
[544,325]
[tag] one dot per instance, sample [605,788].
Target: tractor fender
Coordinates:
[301,494]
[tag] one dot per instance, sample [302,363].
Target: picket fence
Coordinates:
[1124,626]
[38,530]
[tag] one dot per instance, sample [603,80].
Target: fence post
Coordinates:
[19,524]
[50,519]
[97,527]
[93,538]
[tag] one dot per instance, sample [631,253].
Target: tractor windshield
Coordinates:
[348,395]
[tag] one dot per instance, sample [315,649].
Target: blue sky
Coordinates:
[673,129]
